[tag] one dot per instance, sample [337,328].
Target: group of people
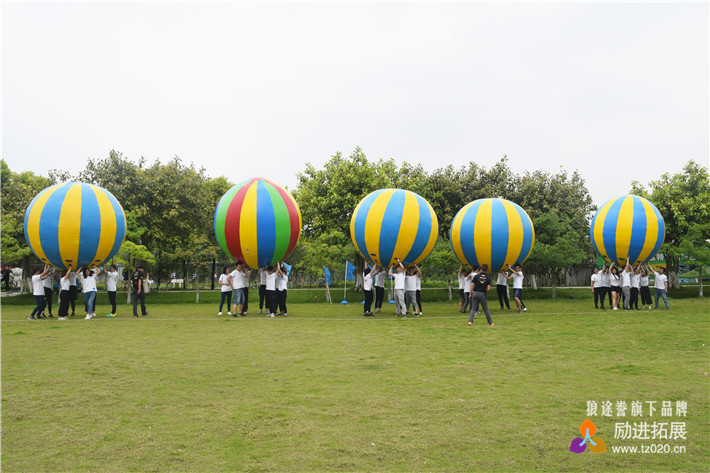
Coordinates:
[43,290]
[626,285]
[475,283]
[273,290]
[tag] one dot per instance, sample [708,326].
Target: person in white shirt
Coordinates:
[271,291]
[463,272]
[660,285]
[419,289]
[38,291]
[644,290]
[72,291]
[626,285]
[517,278]
[410,290]
[88,285]
[606,283]
[237,280]
[615,281]
[634,276]
[597,287]
[281,288]
[111,284]
[379,274]
[64,295]
[262,290]
[367,289]
[48,282]
[502,288]
[467,288]
[225,291]
[398,274]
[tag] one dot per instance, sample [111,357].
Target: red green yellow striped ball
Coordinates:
[627,226]
[74,224]
[257,222]
[494,232]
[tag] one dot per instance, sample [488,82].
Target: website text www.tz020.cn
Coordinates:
[652,448]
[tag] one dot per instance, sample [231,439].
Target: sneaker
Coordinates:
[491,325]
[285,314]
[228,313]
[51,316]
[146,314]
[260,311]
[31,317]
[220,313]
[110,315]
[519,311]
[61,318]
[244,314]
[235,315]
[421,313]
[88,317]
[272,315]
[135,315]
[525,308]
[616,308]
[470,323]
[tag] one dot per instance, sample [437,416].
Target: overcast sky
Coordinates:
[618,91]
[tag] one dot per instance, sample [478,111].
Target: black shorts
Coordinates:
[461,296]
[616,288]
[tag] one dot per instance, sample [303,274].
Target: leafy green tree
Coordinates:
[442,263]
[683,200]
[559,245]
[695,245]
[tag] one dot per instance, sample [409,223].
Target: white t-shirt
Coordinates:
[518,280]
[615,280]
[502,280]
[410,283]
[88,283]
[462,282]
[37,285]
[606,279]
[597,280]
[399,280]
[111,280]
[634,280]
[72,278]
[467,283]
[380,279]
[262,277]
[224,282]
[282,282]
[270,281]
[367,281]
[64,284]
[660,280]
[47,282]
[238,279]
[643,280]
[625,279]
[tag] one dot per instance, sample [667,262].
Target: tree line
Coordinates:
[170,209]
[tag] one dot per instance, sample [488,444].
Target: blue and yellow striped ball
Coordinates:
[394,223]
[74,224]
[627,226]
[494,232]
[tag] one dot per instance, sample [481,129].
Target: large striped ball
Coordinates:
[394,223]
[494,232]
[257,222]
[628,226]
[75,224]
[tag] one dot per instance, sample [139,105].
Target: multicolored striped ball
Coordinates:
[628,226]
[74,224]
[394,223]
[257,222]
[494,232]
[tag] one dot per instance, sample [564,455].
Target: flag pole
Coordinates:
[345,284]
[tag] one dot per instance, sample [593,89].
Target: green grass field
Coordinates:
[329,390]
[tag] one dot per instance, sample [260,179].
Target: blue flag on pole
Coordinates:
[288,268]
[349,271]
[326,273]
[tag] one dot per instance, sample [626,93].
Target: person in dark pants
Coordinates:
[48,283]
[73,291]
[502,289]
[138,291]
[379,275]
[480,285]
[271,291]
[6,271]
[38,292]
[111,287]
[262,290]
[64,295]
[597,286]
[367,290]
[281,288]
